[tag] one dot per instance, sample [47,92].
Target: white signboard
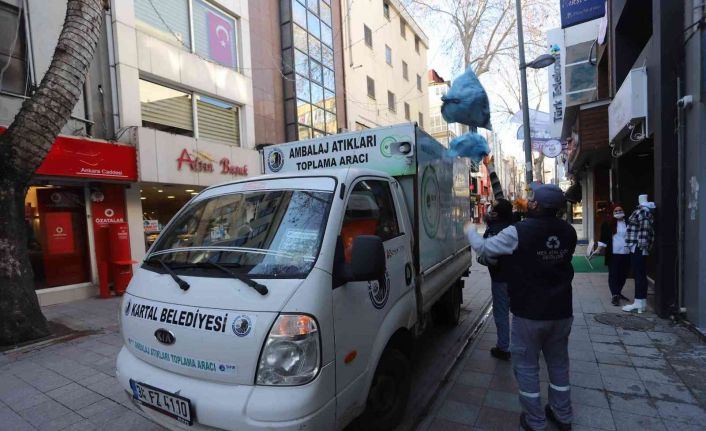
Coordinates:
[629,103]
[387,149]
[551,148]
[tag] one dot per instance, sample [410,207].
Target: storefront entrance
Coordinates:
[57,235]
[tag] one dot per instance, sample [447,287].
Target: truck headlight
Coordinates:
[292,352]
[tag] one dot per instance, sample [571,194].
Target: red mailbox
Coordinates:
[120,257]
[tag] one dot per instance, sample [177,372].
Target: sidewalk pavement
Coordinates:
[633,373]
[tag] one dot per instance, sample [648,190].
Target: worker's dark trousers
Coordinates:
[551,337]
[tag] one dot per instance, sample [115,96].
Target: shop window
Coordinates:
[214,34]
[217,120]
[57,238]
[165,19]
[13,57]
[166,109]
[391,103]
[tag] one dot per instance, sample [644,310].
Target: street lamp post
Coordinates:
[540,62]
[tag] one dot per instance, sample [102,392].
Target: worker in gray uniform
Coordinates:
[536,253]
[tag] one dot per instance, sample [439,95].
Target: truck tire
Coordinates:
[389,392]
[448,309]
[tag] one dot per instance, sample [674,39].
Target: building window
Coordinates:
[405,71]
[368,36]
[416,44]
[214,32]
[403,29]
[310,86]
[391,104]
[419,82]
[388,55]
[406,111]
[386,9]
[171,111]
[371,88]
[421,120]
[166,109]
[217,120]
[13,57]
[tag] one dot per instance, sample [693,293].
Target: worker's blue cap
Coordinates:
[547,195]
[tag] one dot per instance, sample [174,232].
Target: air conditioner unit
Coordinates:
[629,107]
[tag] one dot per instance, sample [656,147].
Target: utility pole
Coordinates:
[527,144]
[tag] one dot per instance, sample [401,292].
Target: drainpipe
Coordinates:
[683,104]
[88,104]
[112,67]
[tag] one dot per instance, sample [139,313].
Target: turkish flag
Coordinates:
[220,39]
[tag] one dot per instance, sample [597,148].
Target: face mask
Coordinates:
[619,215]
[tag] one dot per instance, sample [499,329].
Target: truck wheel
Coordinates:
[389,392]
[448,309]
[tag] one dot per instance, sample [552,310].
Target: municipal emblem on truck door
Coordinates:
[379,291]
[430,205]
[242,325]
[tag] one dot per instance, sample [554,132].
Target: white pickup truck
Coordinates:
[291,300]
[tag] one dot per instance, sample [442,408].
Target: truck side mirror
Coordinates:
[367,258]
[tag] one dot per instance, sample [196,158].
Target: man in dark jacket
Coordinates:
[499,217]
[536,253]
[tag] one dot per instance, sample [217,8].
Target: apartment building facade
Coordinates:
[385,54]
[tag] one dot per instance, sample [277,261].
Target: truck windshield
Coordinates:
[268,234]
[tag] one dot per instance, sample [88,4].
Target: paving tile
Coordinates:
[102,412]
[681,426]
[635,338]
[497,420]
[455,411]
[602,338]
[670,392]
[593,417]
[662,376]
[624,386]
[589,397]
[466,394]
[580,344]
[473,378]
[649,352]
[75,396]
[485,366]
[585,380]
[83,425]
[615,349]
[61,422]
[44,379]
[630,422]
[663,338]
[49,409]
[632,404]
[642,362]
[584,355]
[619,371]
[444,425]
[680,412]
[12,421]
[502,401]
[503,383]
[587,367]
[130,421]
[601,330]
[613,359]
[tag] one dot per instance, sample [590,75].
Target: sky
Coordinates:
[444,65]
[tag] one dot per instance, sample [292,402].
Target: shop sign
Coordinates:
[575,12]
[151,226]
[200,161]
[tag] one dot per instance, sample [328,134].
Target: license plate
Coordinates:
[172,405]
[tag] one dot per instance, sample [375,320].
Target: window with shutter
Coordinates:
[217,120]
[13,57]
[165,19]
[166,109]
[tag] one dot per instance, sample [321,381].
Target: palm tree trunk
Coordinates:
[23,147]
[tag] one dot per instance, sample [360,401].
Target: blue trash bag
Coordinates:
[467,102]
[470,145]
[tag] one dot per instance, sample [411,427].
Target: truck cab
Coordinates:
[291,300]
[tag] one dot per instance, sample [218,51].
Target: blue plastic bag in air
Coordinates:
[467,102]
[470,145]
